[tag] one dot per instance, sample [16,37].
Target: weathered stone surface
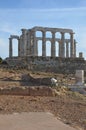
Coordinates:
[28,42]
[29,91]
[49,64]
[28,57]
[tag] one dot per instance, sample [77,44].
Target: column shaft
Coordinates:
[53,52]
[34,44]
[71,45]
[59,53]
[67,49]
[24,40]
[29,43]
[10,47]
[43,44]
[21,46]
[19,54]
[74,48]
[62,45]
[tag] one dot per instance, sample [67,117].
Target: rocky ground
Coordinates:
[67,106]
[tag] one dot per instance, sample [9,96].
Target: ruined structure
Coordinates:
[28,42]
[65,62]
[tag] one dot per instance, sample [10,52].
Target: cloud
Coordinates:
[4,50]
[12,20]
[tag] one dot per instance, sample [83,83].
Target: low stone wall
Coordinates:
[28,91]
[49,64]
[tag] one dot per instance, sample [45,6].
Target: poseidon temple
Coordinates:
[28,56]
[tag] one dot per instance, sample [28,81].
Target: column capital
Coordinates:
[10,38]
[53,32]
[72,33]
[62,33]
[67,42]
[24,31]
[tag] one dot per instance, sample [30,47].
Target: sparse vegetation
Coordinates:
[69,106]
[0,60]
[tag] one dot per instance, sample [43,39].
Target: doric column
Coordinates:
[21,46]
[19,54]
[67,49]
[36,47]
[53,52]
[59,53]
[29,43]
[24,40]
[62,45]
[75,48]
[10,47]
[43,44]
[34,44]
[71,45]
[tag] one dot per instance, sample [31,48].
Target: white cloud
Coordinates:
[12,20]
[4,50]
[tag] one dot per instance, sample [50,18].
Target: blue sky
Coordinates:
[18,14]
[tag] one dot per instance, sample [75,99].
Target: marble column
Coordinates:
[53,52]
[34,44]
[21,46]
[67,49]
[19,54]
[43,44]
[59,53]
[71,45]
[24,40]
[75,48]
[10,47]
[62,45]
[28,44]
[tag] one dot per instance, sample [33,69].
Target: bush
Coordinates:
[0,60]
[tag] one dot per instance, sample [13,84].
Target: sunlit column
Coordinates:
[43,44]
[10,47]
[67,49]
[62,45]
[53,52]
[74,48]
[19,54]
[71,45]
[24,40]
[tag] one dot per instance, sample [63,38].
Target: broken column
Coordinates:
[79,77]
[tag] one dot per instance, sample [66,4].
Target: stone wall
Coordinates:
[58,65]
[28,91]
[49,64]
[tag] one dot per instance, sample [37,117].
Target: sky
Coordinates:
[18,14]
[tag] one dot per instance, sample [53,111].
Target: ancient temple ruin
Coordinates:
[65,62]
[28,42]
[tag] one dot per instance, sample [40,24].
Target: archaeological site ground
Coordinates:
[25,80]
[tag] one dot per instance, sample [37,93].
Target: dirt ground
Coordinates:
[69,107]
[32,121]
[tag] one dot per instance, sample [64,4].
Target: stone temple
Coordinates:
[65,62]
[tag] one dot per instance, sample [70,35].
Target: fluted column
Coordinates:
[24,40]
[36,47]
[59,53]
[67,49]
[19,54]
[74,48]
[28,43]
[34,44]
[71,45]
[53,52]
[43,44]
[21,46]
[62,45]
[10,47]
